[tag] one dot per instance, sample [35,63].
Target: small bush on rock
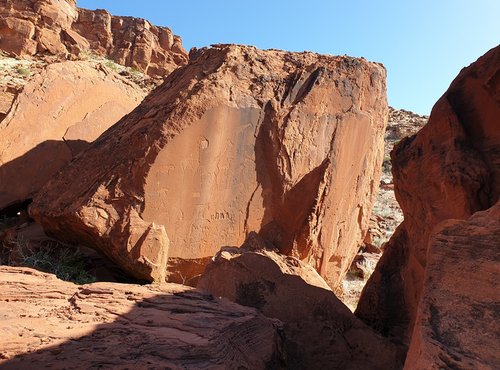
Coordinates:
[63,260]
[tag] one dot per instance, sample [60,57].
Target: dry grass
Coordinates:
[63,260]
[15,71]
[355,281]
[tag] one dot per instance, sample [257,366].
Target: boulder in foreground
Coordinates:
[108,325]
[285,144]
[320,331]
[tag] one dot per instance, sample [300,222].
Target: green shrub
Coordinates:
[112,65]
[63,260]
[23,71]
[88,55]
[134,71]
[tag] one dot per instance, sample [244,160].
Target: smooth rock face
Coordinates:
[57,114]
[457,324]
[117,326]
[285,144]
[58,27]
[320,331]
[449,170]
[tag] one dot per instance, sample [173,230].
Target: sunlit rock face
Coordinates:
[58,113]
[285,144]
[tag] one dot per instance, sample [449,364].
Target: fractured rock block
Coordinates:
[285,144]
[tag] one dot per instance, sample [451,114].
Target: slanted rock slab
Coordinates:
[56,115]
[287,144]
[116,326]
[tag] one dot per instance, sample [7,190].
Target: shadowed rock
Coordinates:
[108,325]
[458,319]
[449,170]
[320,331]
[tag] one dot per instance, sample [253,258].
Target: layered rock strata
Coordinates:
[108,325]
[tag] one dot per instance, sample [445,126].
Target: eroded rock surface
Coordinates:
[286,144]
[457,324]
[47,321]
[320,331]
[59,111]
[449,170]
[58,27]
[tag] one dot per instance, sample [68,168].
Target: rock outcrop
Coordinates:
[240,140]
[320,332]
[58,113]
[58,27]
[457,324]
[108,325]
[449,170]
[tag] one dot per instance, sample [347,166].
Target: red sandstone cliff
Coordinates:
[58,27]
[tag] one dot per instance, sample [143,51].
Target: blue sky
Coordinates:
[422,43]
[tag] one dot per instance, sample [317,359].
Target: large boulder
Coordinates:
[457,324]
[58,27]
[118,326]
[57,114]
[320,331]
[449,170]
[286,144]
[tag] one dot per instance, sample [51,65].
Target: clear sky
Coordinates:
[422,43]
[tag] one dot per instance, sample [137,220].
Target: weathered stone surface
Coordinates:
[58,27]
[458,321]
[116,326]
[286,144]
[320,331]
[7,97]
[59,112]
[449,170]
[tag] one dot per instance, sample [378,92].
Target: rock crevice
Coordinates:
[449,170]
